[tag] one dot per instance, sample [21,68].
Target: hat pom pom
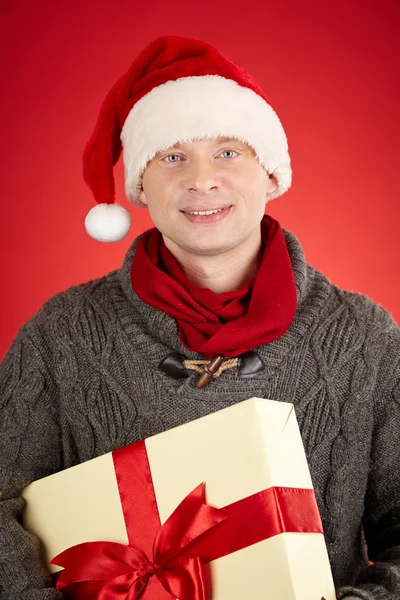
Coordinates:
[108,222]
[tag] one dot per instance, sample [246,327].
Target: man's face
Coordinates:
[207,196]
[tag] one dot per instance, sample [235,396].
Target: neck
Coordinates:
[222,272]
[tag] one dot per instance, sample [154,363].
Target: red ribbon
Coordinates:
[193,535]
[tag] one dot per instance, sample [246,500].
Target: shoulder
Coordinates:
[99,297]
[366,310]
[360,335]
[321,298]
[73,310]
[359,308]
[354,321]
[95,292]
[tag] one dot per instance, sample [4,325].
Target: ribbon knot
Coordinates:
[147,570]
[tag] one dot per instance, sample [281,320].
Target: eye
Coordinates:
[173,157]
[230,152]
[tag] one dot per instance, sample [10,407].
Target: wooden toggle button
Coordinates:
[209,371]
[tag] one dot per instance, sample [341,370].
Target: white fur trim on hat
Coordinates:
[205,107]
[108,222]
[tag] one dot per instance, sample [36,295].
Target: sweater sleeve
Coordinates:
[30,448]
[381,580]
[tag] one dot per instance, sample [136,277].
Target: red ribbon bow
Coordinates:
[193,535]
[125,571]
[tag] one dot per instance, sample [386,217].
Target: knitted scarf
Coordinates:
[226,324]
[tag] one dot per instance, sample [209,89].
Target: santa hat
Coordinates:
[178,89]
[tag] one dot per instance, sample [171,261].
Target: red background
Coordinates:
[331,72]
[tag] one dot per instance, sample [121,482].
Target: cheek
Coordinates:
[252,181]
[157,201]
[153,191]
[159,182]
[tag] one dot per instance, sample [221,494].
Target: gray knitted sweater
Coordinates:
[81,379]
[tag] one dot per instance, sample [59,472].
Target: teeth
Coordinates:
[205,212]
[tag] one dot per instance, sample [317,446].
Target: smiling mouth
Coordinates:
[211,211]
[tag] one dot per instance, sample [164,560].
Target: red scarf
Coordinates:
[226,324]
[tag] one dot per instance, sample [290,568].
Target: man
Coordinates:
[215,287]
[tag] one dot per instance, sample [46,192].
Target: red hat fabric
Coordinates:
[178,89]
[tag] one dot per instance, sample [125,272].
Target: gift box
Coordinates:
[219,508]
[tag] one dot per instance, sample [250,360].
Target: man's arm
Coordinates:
[30,448]
[381,581]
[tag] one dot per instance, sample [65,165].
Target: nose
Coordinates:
[202,176]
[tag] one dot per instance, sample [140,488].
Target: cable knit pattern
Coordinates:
[81,379]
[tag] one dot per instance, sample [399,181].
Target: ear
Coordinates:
[271,183]
[142,196]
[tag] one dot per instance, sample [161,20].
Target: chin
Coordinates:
[207,249]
